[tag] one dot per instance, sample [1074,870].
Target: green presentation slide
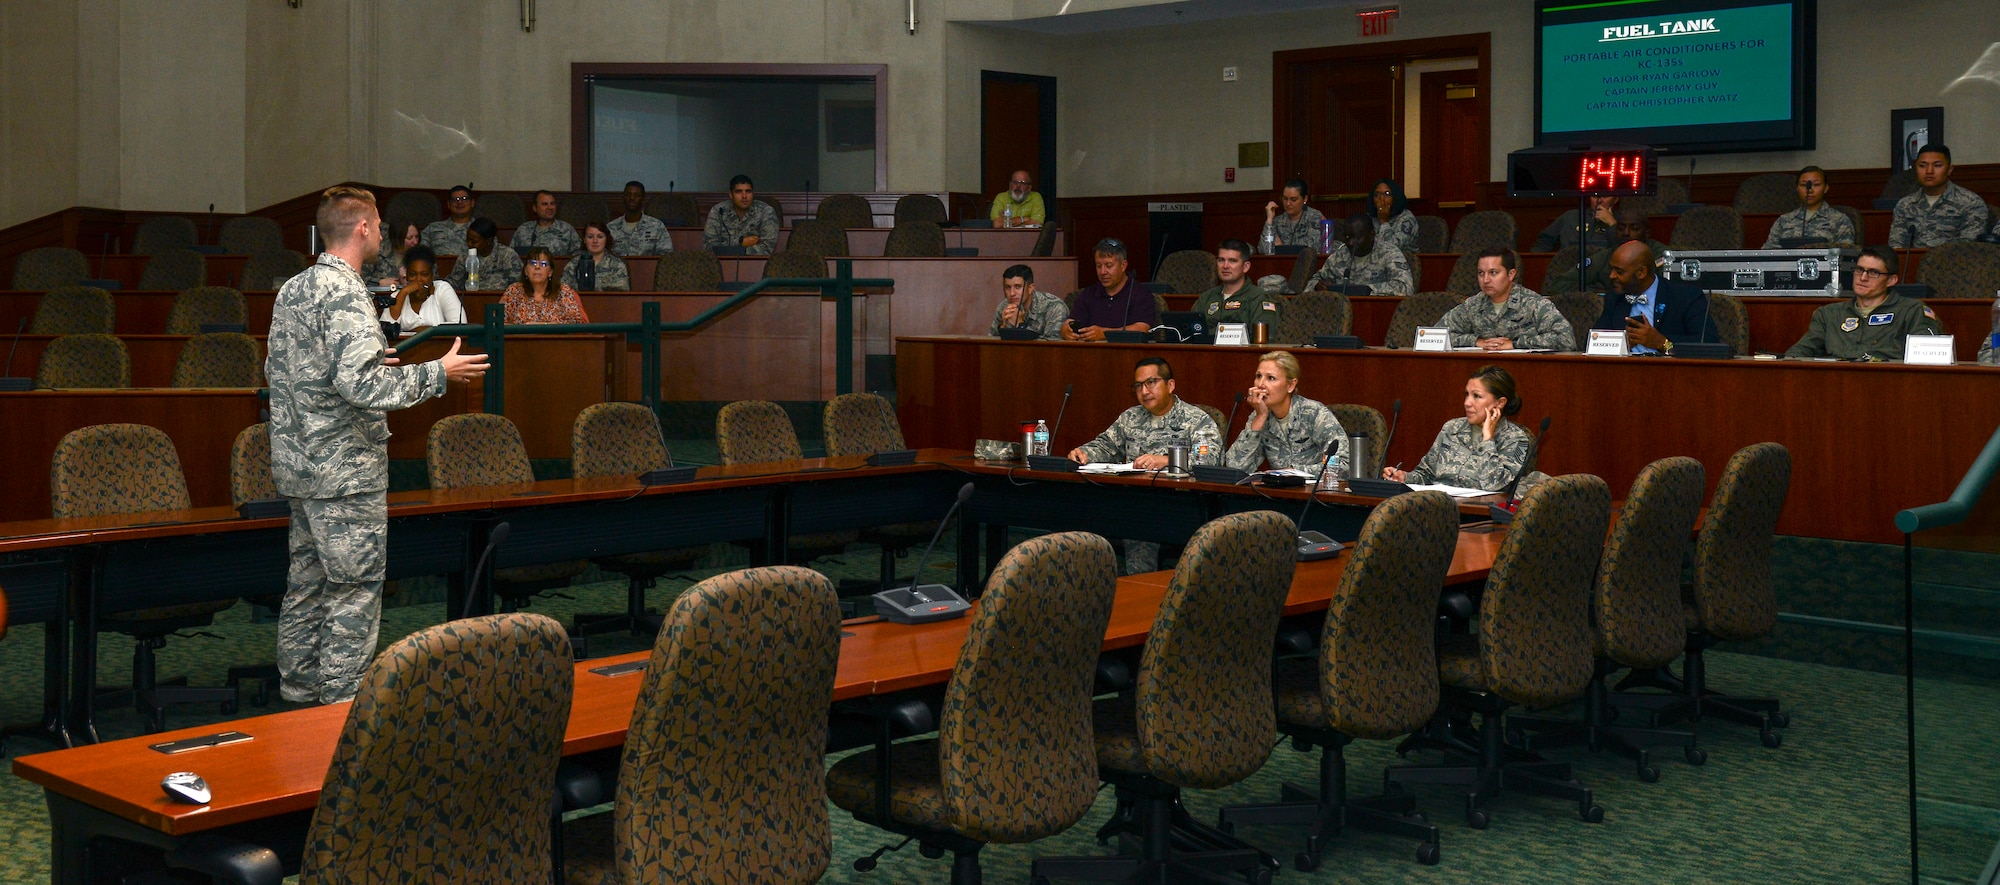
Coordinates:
[1722,66]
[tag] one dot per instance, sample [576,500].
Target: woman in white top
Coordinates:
[424,300]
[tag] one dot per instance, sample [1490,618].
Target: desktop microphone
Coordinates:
[1232,416]
[922,604]
[8,383]
[1503,513]
[1053,461]
[1314,546]
[670,186]
[493,541]
[1223,473]
[211,222]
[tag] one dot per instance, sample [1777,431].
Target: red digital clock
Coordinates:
[1582,170]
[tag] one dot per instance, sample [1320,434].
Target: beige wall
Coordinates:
[180,104]
[38,111]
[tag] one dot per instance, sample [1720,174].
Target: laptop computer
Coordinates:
[1192,326]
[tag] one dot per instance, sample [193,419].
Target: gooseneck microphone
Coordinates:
[1315,546]
[1395,418]
[1053,461]
[1057,428]
[8,382]
[964,493]
[920,603]
[1232,418]
[493,541]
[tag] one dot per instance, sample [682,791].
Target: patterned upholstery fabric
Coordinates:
[755,432]
[1582,310]
[504,209]
[1416,270]
[1535,639]
[206,304]
[1433,233]
[1768,192]
[1464,279]
[73,310]
[777,208]
[1899,185]
[50,267]
[818,237]
[250,234]
[674,210]
[421,207]
[920,207]
[1013,760]
[109,469]
[1421,309]
[694,270]
[1491,227]
[220,359]
[1314,313]
[82,361]
[915,239]
[1854,218]
[445,770]
[846,211]
[162,233]
[615,439]
[1045,242]
[1732,321]
[174,269]
[267,269]
[1356,418]
[1214,414]
[791,264]
[1648,205]
[1963,269]
[1188,272]
[581,209]
[1302,272]
[1673,190]
[250,466]
[476,449]
[1377,674]
[1708,227]
[1732,557]
[861,424]
[1561,275]
[1638,601]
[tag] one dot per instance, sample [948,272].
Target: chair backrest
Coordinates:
[920,207]
[845,211]
[1709,227]
[1187,272]
[1561,274]
[271,268]
[817,236]
[220,359]
[503,208]
[1768,192]
[446,768]
[1314,313]
[1732,321]
[1647,204]
[248,234]
[206,304]
[755,432]
[49,267]
[1433,233]
[1464,279]
[615,439]
[793,264]
[476,449]
[674,209]
[1479,230]
[1378,652]
[73,310]
[250,476]
[1535,644]
[1216,415]
[1673,190]
[417,207]
[162,233]
[694,270]
[1416,270]
[83,361]
[1854,218]
[1203,696]
[582,209]
[108,469]
[915,239]
[1015,753]
[1732,557]
[1421,309]
[860,424]
[1356,418]
[1045,242]
[1302,271]
[777,208]
[1582,310]
[724,767]
[1900,185]
[1962,269]
[1638,600]
[174,269]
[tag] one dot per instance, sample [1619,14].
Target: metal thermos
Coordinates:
[1357,458]
[1177,458]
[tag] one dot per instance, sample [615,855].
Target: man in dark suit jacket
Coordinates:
[1678,311]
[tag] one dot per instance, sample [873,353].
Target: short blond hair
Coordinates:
[1285,361]
[339,209]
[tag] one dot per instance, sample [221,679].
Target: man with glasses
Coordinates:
[1814,219]
[1940,212]
[1289,221]
[1871,326]
[447,237]
[1142,434]
[546,230]
[1020,205]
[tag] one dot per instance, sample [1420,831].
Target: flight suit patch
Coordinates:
[1850,324]
[1881,319]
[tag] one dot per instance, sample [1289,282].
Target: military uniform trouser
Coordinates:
[333,596]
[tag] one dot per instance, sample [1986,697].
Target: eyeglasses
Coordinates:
[538,262]
[1381,193]
[1148,382]
[461,198]
[1020,182]
[1869,273]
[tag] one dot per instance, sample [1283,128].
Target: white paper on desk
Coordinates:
[1508,350]
[1454,491]
[1108,468]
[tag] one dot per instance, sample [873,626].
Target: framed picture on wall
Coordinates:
[1909,130]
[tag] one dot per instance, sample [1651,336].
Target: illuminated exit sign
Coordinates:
[1378,21]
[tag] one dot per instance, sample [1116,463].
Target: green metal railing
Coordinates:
[1955,509]
[491,335]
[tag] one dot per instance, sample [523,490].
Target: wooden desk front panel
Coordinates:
[142,312]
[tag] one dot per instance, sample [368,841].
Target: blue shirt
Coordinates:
[1649,301]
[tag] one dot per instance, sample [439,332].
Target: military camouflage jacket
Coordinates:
[1046,314]
[1526,318]
[726,228]
[445,237]
[330,388]
[1562,234]
[1959,215]
[1399,231]
[1302,231]
[1383,270]
[648,237]
[496,271]
[612,274]
[1137,432]
[1843,331]
[559,237]
[1828,224]
[1462,456]
[1295,442]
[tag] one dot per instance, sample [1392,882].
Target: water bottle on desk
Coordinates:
[1041,437]
[1270,241]
[471,269]
[1007,216]
[1326,236]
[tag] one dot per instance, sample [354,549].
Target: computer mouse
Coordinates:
[186,787]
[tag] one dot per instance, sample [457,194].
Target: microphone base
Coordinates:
[1377,488]
[667,476]
[902,606]
[1224,475]
[1314,546]
[892,458]
[1051,463]
[267,508]
[16,385]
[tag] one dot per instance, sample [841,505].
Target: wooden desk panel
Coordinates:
[142,312]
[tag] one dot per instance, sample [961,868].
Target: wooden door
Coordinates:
[1017,125]
[1452,149]
[1347,115]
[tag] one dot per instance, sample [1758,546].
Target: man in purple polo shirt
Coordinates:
[1116,302]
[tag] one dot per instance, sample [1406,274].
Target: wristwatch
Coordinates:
[1668,348]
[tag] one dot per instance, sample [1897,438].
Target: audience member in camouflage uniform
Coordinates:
[1237,300]
[635,232]
[447,237]
[1142,434]
[743,221]
[1940,212]
[330,382]
[546,230]
[1359,261]
[597,268]
[1290,221]
[1044,315]
[1814,219]
[1875,324]
[1483,450]
[386,266]
[1563,233]
[1507,315]
[1395,224]
[499,266]
[1285,430]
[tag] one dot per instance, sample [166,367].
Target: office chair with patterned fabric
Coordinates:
[1480,230]
[1768,192]
[1962,269]
[1561,275]
[793,264]
[1708,227]
[1219,417]
[1314,313]
[1464,279]
[623,440]
[777,208]
[478,449]
[693,270]
[503,208]
[759,432]
[250,479]
[1732,321]
[580,209]
[205,305]
[220,359]
[163,233]
[1416,270]
[250,234]
[920,207]
[1433,233]
[674,209]
[73,310]
[1013,760]
[110,469]
[1421,309]
[49,267]
[1199,716]
[817,236]
[273,268]
[1356,418]
[915,239]
[1533,648]
[723,775]
[1045,242]
[421,207]
[1187,272]
[859,424]
[1302,272]
[174,269]
[84,361]
[1582,309]
[845,211]
[1375,675]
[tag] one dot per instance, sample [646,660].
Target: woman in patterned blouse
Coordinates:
[596,269]
[538,298]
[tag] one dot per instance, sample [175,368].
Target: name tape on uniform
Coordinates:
[1433,339]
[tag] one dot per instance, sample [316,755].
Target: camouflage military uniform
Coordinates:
[445,237]
[1294,442]
[496,271]
[1843,331]
[1562,234]
[1301,231]
[1046,314]
[648,237]
[1986,356]
[1399,231]
[1462,456]
[1383,270]
[1829,225]
[1525,318]
[329,455]
[612,274]
[726,228]
[383,265]
[1959,214]
[559,237]
[1251,304]
[1137,432]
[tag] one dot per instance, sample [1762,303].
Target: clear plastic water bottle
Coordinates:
[1270,241]
[1326,236]
[471,268]
[1007,216]
[1041,437]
